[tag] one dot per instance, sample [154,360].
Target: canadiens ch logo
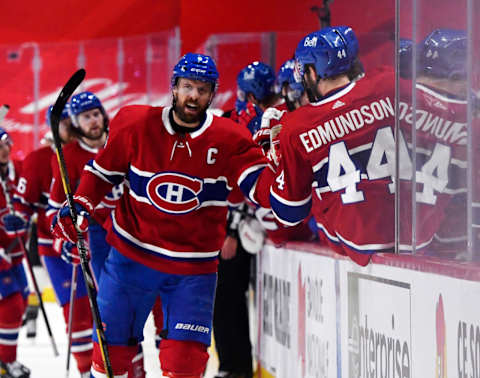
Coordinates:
[174,193]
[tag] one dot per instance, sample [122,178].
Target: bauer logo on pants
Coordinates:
[192,327]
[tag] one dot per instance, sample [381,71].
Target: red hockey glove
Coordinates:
[62,224]
[262,138]
[245,116]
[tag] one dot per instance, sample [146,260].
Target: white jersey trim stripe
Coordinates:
[106,171]
[290,203]
[160,250]
[52,203]
[249,170]
[439,96]
[140,172]
[88,148]
[97,173]
[336,95]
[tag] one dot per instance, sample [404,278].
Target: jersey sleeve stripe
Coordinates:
[288,202]
[112,177]
[290,213]
[159,250]
[248,180]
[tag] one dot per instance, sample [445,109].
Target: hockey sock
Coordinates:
[82,345]
[183,358]
[120,358]
[11,312]
[136,369]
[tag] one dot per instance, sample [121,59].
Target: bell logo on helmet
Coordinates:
[249,75]
[310,42]
[174,193]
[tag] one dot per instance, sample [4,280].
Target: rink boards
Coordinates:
[321,316]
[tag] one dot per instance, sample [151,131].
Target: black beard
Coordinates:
[178,109]
[311,89]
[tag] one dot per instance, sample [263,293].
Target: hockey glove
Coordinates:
[62,224]
[68,251]
[262,138]
[269,115]
[15,224]
[274,154]
[250,112]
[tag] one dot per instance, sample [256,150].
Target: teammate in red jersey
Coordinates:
[31,197]
[13,281]
[336,145]
[181,162]
[90,125]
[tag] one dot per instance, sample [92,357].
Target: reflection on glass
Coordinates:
[433,221]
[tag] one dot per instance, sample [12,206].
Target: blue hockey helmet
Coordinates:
[257,78]
[196,67]
[286,76]
[444,54]
[405,53]
[82,102]
[331,51]
[4,137]
[65,113]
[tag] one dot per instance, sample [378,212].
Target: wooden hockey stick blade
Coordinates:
[72,84]
[3,112]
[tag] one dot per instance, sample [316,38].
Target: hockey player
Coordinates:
[32,196]
[90,126]
[336,144]
[13,281]
[256,87]
[181,162]
[441,98]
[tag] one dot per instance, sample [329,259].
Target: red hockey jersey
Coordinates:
[343,147]
[32,193]
[8,243]
[172,216]
[77,154]
[440,141]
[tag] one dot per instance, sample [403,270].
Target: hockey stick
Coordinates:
[73,291]
[58,107]
[29,264]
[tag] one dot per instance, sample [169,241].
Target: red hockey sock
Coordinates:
[136,369]
[82,324]
[120,358]
[186,359]
[11,312]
